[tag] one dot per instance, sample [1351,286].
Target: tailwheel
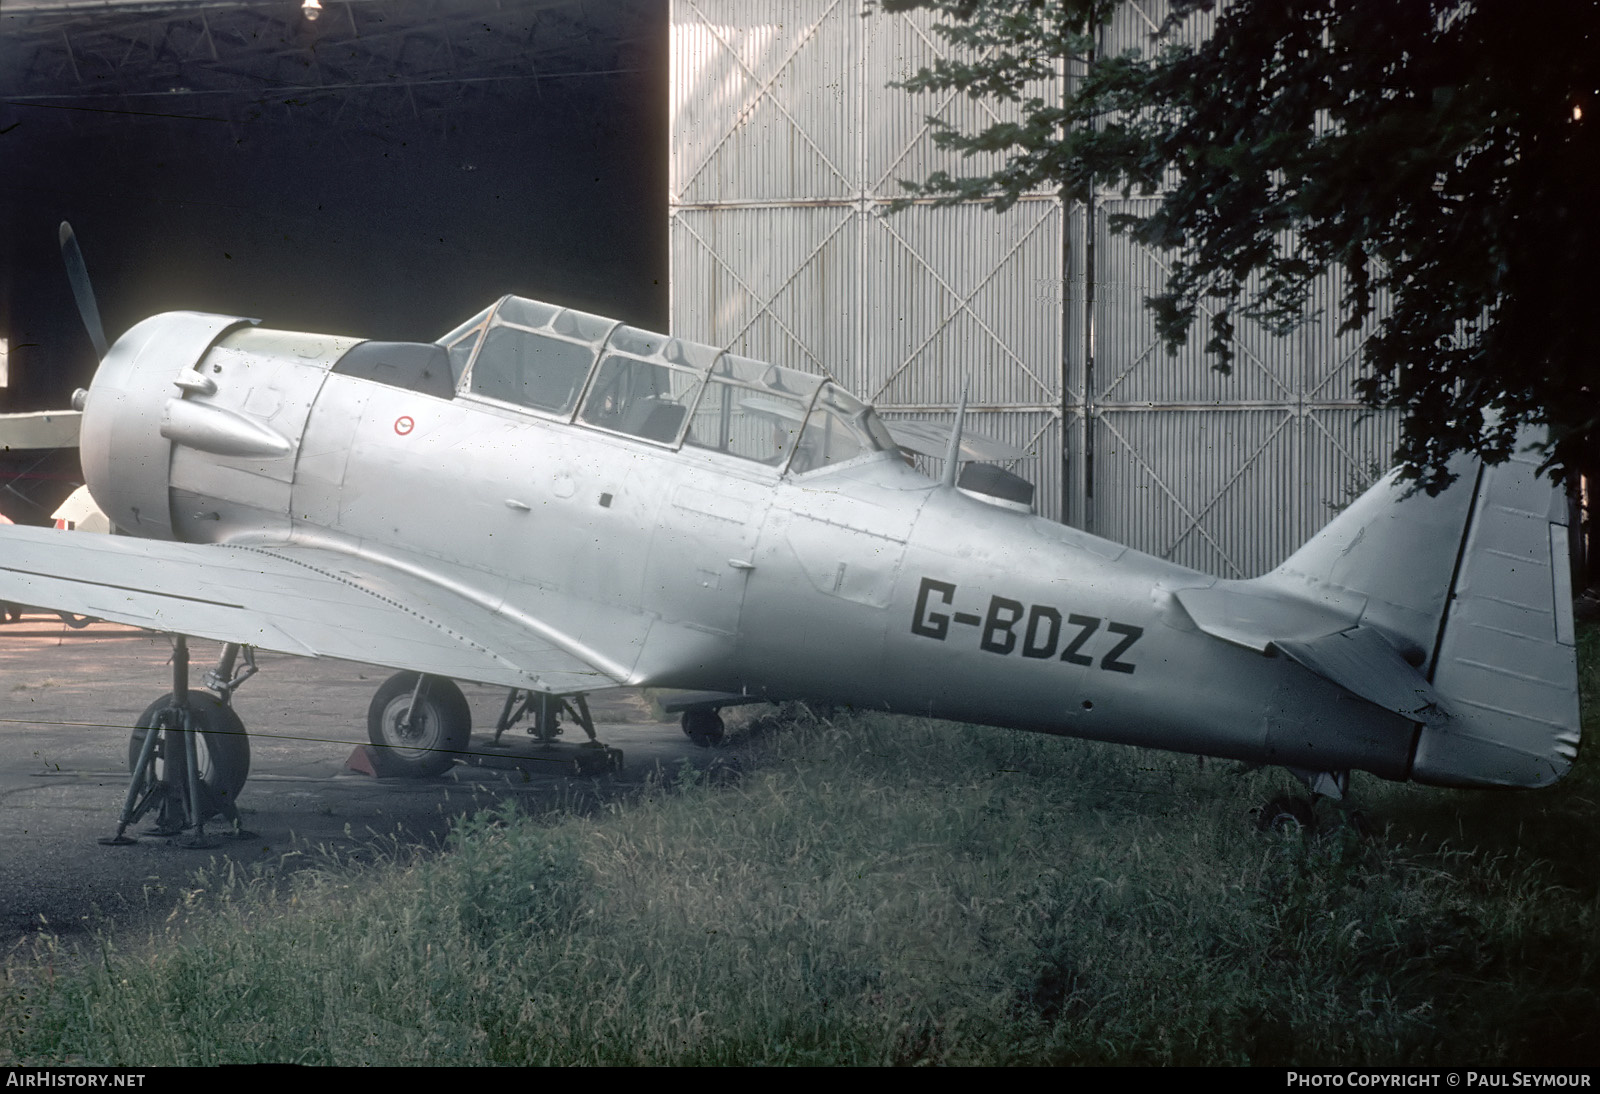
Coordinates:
[703,726]
[223,755]
[419,724]
[1287,815]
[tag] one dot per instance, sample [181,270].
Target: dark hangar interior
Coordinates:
[377,168]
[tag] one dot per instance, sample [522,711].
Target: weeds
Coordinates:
[865,889]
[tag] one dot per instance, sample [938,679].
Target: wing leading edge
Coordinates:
[303,600]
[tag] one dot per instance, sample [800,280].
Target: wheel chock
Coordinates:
[364,761]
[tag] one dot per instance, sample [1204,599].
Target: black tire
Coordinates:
[224,748]
[443,731]
[703,727]
[1287,815]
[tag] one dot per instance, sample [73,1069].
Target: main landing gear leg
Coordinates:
[189,755]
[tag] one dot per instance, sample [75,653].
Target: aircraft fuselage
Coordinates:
[658,511]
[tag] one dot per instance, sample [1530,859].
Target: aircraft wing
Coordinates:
[303,600]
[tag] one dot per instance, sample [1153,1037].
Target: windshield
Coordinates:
[463,340]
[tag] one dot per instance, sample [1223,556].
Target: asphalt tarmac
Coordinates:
[68,698]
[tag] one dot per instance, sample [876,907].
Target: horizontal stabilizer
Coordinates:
[1258,619]
[1362,661]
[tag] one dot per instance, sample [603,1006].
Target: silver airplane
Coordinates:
[554,502]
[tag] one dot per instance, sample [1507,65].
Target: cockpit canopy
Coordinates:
[575,367]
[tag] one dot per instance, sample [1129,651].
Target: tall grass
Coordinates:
[869,889]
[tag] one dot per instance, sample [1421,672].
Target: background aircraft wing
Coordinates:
[309,601]
[933,439]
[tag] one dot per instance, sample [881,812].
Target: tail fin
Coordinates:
[1472,587]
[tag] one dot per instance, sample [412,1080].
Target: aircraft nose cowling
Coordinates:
[125,456]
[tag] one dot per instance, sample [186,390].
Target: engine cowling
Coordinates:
[192,425]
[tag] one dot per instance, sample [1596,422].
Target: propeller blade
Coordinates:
[82,291]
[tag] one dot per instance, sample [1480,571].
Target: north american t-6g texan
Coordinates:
[554,502]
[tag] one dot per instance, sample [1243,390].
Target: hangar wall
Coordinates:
[786,148]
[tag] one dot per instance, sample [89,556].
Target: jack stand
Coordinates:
[546,710]
[511,713]
[582,713]
[135,804]
[193,807]
[590,757]
[547,717]
[175,785]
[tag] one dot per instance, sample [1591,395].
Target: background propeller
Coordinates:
[38,463]
[82,290]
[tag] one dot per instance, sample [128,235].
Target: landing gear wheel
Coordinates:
[1286,815]
[224,751]
[427,744]
[703,727]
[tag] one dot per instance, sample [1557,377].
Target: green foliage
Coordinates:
[1441,155]
[510,877]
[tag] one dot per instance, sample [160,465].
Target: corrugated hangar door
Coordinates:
[1228,474]
[787,147]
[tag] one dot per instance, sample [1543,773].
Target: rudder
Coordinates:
[1472,588]
[1506,659]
